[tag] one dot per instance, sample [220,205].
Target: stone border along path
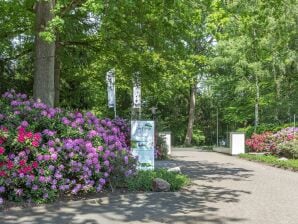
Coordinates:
[225,189]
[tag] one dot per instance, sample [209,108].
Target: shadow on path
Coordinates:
[188,207]
[207,171]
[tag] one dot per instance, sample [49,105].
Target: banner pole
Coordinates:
[115,111]
[115,103]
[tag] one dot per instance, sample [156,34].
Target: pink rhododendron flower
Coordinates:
[35,144]
[2,150]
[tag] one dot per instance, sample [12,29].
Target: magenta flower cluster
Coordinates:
[268,141]
[45,152]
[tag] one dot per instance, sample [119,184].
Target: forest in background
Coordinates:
[197,60]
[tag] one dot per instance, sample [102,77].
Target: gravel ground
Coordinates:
[225,189]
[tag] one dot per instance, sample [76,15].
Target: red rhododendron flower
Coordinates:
[21,130]
[9,165]
[28,135]
[28,169]
[2,173]
[21,138]
[22,162]
[21,170]
[35,164]
[35,144]
[37,137]
[2,150]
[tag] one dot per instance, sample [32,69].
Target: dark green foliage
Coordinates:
[249,130]
[198,137]
[142,181]
[222,45]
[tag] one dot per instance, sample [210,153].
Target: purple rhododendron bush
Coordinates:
[46,152]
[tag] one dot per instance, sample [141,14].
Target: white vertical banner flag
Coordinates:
[137,92]
[110,78]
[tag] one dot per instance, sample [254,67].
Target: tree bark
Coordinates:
[43,87]
[57,73]
[191,115]
[257,100]
[278,95]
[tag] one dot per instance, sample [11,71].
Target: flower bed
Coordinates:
[272,142]
[261,142]
[45,152]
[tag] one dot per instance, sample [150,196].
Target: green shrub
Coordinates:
[288,149]
[249,130]
[198,137]
[142,181]
[272,160]
[178,135]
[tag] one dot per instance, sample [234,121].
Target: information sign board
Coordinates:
[142,143]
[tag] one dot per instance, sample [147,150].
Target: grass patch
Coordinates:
[272,160]
[142,181]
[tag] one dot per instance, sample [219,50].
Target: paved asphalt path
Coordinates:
[225,189]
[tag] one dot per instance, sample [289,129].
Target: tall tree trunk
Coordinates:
[43,87]
[257,100]
[191,115]
[57,72]
[278,95]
